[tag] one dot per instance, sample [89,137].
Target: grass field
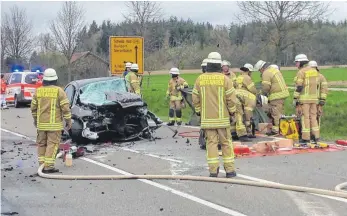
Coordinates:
[334,121]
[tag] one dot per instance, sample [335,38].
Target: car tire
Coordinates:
[16,103]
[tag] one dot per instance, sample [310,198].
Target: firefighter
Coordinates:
[39,80]
[127,69]
[3,92]
[247,92]
[323,91]
[227,72]
[214,100]
[175,85]
[203,65]
[133,84]
[306,97]
[49,107]
[275,88]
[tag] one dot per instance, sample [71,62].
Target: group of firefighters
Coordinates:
[220,98]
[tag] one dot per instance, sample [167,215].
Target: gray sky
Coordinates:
[215,12]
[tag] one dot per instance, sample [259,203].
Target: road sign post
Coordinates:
[126,49]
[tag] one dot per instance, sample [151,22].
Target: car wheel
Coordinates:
[16,103]
[202,141]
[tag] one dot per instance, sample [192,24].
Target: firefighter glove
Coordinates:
[68,125]
[322,102]
[198,113]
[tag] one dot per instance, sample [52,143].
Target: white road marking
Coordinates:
[152,155]
[239,175]
[166,188]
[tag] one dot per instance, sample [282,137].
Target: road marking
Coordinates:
[152,155]
[239,175]
[174,191]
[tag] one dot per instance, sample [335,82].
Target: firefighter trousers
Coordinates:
[248,110]
[276,109]
[175,111]
[309,121]
[48,143]
[222,136]
[237,125]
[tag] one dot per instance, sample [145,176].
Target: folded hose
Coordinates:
[338,193]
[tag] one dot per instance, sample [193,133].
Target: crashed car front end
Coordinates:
[105,110]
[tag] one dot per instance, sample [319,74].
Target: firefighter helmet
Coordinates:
[214,58]
[204,63]
[247,66]
[275,66]
[50,74]
[134,67]
[128,65]
[312,64]
[225,63]
[300,58]
[174,71]
[259,65]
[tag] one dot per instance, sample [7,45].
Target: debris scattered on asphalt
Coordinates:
[129,157]
[187,141]
[4,176]
[8,169]
[54,197]
[3,151]
[161,209]
[33,180]
[17,143]
[18,116]
[114,164]
[102,192]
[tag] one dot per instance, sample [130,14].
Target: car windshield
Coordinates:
[94,93]
[31,78]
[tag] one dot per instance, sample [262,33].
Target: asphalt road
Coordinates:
[27,194]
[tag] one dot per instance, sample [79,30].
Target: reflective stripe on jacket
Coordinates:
[49,106]
[133,83]
[244,82]
[174,86]
[308,78]
[214,98]
[273,84]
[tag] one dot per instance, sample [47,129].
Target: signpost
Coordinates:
[126,49]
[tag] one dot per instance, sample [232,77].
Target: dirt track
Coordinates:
[192,71]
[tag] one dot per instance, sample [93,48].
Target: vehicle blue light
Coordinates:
[17,68]
[37,69]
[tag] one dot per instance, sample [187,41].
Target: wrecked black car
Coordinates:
[103,109]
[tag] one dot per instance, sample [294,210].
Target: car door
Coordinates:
[70,91]
[14,86]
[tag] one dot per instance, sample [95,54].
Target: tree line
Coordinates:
[272,31]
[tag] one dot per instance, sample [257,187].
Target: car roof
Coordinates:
[83,82]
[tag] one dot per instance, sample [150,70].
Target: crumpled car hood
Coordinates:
[125,99]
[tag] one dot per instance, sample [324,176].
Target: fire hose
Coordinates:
[337,193]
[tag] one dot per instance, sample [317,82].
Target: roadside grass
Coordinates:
[334,120]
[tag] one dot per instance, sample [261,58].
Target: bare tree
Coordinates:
[46,43]
[285,16]
[66,28]
[3,47]
[143,12]
[17,34]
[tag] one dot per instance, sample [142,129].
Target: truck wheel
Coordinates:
[16,103]
[202,141]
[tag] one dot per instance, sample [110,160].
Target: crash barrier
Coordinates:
[337,193]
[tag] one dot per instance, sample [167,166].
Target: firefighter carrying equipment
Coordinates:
[175,85]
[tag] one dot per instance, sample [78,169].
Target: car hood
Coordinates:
[125,99]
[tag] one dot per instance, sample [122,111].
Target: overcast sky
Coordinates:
[214,12]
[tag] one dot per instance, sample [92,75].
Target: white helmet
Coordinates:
[248,66]
[204,62]
[174,71]
[128,65]
[312,64]
[274,66]
[50,74]
[214,57]
[264,100]
[134,67]
[259,65]
[300,58]
[225,63]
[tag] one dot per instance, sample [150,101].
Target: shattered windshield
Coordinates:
[94,93]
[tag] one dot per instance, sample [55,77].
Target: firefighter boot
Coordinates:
[171,117]
[178,116]
[244,139]
[215,175]
[234,136]
[171,123]
[230,174]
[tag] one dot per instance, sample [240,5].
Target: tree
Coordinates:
[66,28]
[3,47]
[46,43]
[281,17]
[17,34]
[143,12]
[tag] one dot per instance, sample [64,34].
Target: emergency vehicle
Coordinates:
[21,87]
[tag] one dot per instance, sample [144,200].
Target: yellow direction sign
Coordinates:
[125,49]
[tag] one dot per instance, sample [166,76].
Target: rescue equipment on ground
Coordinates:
[290,127]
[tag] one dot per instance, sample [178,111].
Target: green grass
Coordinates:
[334,121]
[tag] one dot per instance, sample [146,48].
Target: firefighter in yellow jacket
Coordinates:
[227,72]
[49,107]
[246,92]
[214,101]
[175,85]
[133,81]
[306,95]
[275,88]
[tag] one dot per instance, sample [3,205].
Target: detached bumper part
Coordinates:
[89,134]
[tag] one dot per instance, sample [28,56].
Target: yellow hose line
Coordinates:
[340,193]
